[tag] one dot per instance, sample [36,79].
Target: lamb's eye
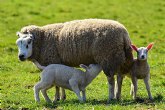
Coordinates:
[27,46]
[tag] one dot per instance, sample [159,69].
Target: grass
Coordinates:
[144,20]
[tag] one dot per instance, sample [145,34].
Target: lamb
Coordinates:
[66,77]
[139,70]
[89,41]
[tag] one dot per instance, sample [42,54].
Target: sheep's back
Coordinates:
[91,41]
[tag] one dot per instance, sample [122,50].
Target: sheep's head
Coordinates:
[142,52]
[92,68]
[24,43]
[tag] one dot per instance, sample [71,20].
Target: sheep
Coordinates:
[66,77]
[89,41]
[140,70]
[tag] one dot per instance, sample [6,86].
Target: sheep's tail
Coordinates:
[128,54]
[39,66]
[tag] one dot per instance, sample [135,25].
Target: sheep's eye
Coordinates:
[27,46]
[29,41]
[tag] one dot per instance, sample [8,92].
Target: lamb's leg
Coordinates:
[119,86]
[134,82]
[46,87]
[57,94]
[37,88]
[75,88]
[63,97]
[111,83]
[84,95]
[146,81]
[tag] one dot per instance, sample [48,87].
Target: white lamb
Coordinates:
[66,77]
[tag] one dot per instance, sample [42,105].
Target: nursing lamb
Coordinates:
[66,77]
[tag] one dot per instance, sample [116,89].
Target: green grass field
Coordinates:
[144,19]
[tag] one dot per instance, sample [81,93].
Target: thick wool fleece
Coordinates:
[88,41]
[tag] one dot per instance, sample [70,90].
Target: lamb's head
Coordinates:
[142,52]
[92,68]
[24,43]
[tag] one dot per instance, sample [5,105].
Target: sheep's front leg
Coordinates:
[75,88]
[63,97]
[111,83]
[146,81]
[84,95]
[134,82]
[119,86]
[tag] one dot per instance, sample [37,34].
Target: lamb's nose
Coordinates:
[21,56]
[142,56]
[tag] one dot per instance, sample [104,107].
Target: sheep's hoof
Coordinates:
[118,97]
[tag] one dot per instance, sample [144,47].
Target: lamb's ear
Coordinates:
[150,46]
[134,47]
[18,34]
[83,66]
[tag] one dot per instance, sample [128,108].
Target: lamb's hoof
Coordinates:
[37,100]
[48,101]
[56,99]
[151,99]
[82,101]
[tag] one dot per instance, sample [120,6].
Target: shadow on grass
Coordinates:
[143,101]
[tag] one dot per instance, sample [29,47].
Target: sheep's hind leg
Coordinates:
[119,86]
[111,83]
[75,88]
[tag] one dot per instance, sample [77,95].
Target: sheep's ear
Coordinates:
[18,34]
[134,47]
[150,46]
[31,36]
[83,66]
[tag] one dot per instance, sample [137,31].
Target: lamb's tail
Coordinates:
[39,66]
